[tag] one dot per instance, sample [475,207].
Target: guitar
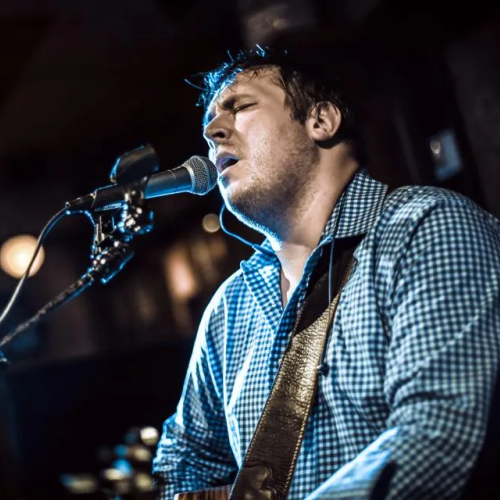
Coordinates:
[220,493]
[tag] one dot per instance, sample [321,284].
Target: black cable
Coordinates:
[20,285]
[255,246]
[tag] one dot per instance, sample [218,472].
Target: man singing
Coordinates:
[410,365]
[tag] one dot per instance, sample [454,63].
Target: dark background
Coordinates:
[83,82]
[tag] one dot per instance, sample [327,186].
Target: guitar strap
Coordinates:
[270,460]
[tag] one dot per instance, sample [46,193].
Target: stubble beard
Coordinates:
[270,203]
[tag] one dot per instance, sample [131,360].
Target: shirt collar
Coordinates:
[357,209]
[354,214]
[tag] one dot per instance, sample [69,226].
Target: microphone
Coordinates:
[197,175]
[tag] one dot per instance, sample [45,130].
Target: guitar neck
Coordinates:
[220,493]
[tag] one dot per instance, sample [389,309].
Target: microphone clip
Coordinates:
[111,248]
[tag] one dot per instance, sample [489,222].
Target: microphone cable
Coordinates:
[255,246]
[22,282]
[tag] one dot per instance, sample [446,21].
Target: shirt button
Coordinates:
[323,369]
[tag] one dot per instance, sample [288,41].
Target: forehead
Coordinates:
[262,84]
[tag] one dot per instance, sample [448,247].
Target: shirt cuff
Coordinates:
[364,478]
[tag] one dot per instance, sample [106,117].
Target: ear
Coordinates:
[323,121]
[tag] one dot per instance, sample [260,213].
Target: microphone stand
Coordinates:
[111,251]
[111,248]
[105,265]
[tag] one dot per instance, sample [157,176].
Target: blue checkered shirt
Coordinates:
[412,356]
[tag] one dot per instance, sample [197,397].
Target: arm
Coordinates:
[194,451]
[443,312]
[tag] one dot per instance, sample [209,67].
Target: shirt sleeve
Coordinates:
[194,451]
[443,314]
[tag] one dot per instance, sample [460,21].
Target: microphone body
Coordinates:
[197,175]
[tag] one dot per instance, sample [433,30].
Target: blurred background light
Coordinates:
[150,436]
[115,473]
[16,253]
[182,280]
[79,484]
[143,481]
[210,223]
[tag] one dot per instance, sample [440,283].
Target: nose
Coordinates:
[216,131]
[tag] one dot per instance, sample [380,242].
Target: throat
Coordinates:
[292,259]
[287,287]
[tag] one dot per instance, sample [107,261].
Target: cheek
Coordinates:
[265,146]
[258,139]
[252,128]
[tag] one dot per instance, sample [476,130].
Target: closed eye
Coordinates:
[236,109]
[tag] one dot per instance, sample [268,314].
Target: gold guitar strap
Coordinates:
[270,460]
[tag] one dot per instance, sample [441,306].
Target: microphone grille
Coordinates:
[203,174]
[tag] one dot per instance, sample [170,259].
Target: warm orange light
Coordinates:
[16,253]
[181,277]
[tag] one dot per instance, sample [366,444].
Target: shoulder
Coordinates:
[427,210]
[416,201]
[439,230]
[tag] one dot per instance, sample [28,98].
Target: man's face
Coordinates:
[263,156]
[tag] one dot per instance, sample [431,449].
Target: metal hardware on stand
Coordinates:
[111,247]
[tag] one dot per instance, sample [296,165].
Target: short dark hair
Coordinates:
[305,84]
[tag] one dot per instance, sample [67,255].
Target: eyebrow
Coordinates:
[227,105]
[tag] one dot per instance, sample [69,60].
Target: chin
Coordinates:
[236,201]
[232,191]
[246,208]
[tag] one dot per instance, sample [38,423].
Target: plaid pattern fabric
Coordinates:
[412,358]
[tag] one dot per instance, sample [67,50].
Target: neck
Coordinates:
[302,230]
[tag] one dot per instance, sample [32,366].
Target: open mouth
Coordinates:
[226,162]
[230,162]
